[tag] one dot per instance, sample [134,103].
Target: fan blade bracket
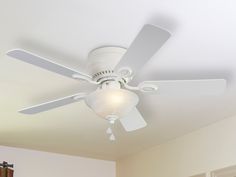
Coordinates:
[143,87]
[125,72]
[84,78]
[78,96]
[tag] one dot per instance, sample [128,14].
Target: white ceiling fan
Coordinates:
[111,69]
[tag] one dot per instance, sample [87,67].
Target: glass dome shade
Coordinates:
[112,101]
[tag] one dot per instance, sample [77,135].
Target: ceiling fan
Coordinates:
[111,69]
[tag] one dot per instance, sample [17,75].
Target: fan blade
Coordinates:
[188,87]
[45,63]
[145,45]
[53,104]
[133,121]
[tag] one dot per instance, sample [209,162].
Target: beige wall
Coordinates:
[41,164]
[204,150]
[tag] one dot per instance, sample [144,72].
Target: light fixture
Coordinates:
[112,103]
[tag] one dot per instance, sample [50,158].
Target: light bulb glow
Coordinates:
[116,98]
[112,101]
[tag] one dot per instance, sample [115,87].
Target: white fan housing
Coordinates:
[111,69]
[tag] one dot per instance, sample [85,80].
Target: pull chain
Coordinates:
[109,130]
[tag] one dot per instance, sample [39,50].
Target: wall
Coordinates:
[207,149]
[41,164]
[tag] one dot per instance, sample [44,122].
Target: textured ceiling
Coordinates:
[202,46]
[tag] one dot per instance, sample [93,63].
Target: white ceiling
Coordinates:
[202,46]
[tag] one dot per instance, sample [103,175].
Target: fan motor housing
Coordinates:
[103,60]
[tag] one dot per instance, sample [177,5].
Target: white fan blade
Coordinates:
[188,87]
[133,121]
[146,44]
[45,63]
[53,104]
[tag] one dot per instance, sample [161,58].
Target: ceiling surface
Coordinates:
[202,46]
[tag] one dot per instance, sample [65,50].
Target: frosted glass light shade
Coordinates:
[112,101]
